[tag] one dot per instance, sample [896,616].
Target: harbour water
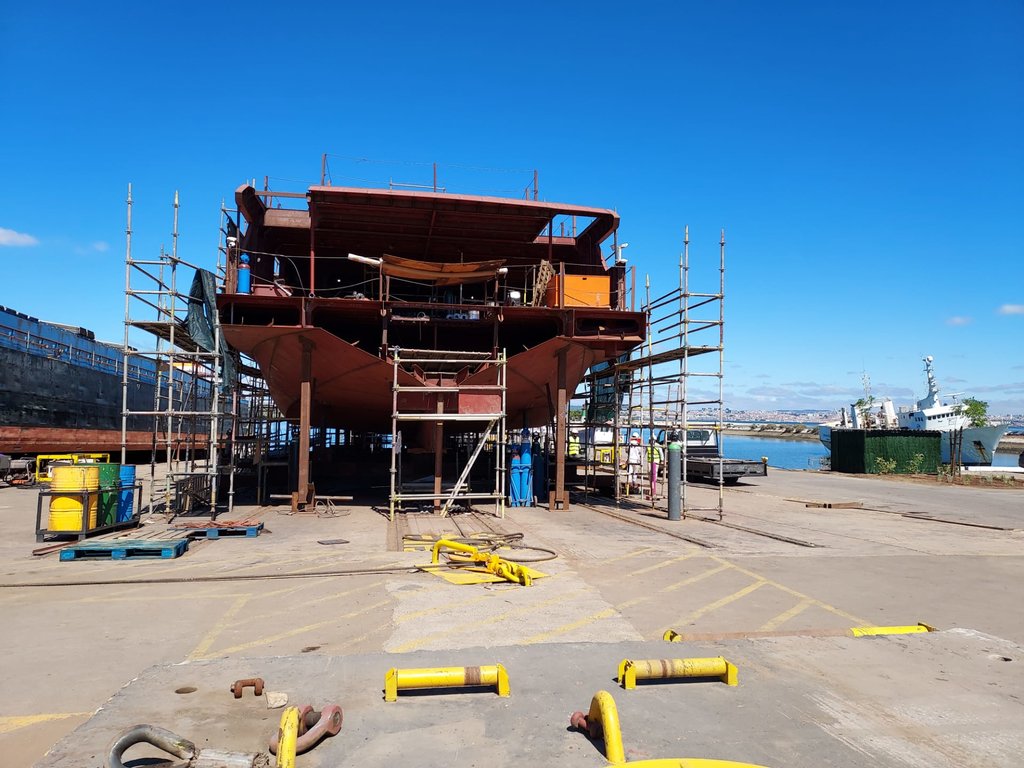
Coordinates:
[782,454]
[802,454]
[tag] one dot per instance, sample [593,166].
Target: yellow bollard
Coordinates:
[663,669]
[689,762]
[602,722]
[287,737]
[445,677]
[912,629]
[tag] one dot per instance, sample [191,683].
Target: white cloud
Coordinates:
[1006,309]
[97,247]
[12,238]
[958,320]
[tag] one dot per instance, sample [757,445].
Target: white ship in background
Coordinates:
[978,445]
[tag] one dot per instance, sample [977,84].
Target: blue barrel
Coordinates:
[126,503]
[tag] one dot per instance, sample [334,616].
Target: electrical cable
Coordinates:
[215,579]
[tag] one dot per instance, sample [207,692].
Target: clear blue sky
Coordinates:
[866,159]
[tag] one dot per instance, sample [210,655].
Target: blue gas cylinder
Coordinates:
[244,275]
[526,471]
[513,480]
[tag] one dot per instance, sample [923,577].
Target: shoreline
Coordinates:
[1008,443]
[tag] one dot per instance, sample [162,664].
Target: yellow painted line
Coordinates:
[14,722]
[455,605]
[785,616]
[663,564]
[282,608]
[672,587]
[449,606]
[607,613]
[720,603]
[628,555]
[152,599]
[335,595]
[473,625]
[220,626]
[300,630]
[830,608]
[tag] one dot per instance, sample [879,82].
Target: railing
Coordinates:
[24,341]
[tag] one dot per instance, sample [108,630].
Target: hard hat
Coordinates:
[636,434]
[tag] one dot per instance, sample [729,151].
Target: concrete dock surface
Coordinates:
[96,646]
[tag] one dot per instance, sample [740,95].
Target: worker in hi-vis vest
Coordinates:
[574,445]
[654,457]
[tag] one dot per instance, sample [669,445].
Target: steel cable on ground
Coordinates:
[213,579]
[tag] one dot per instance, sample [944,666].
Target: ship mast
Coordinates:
[931,400]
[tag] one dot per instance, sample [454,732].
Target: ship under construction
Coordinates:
[424,314]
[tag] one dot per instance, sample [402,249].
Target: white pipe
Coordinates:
[366,260]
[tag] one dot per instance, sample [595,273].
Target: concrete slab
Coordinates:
[76,632]
[939,699]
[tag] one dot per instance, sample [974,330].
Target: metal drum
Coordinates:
[110,493]
[66,508]
[125,504]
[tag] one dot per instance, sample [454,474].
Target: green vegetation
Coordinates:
[914,465]
[976,411]
[886,466]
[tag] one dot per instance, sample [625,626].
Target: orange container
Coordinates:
[580,291]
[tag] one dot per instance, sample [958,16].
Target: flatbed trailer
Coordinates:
[708,468]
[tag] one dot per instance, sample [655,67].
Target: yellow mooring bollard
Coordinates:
[445,677]
[602,722]
[662,669]
[287,737]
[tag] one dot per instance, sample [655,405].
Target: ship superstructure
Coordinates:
[325,289]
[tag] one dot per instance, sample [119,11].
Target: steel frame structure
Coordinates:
[654,384]
[441,367]
[191,413]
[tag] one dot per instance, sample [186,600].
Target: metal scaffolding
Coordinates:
[651,390]
[448,402]
[195,392]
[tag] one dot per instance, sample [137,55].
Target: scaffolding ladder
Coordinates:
[191,415]
[439,401]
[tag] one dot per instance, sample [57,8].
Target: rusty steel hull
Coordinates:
[352,388]
[331,289]
[14,439]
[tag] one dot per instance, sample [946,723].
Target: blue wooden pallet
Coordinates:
[125,549]
[215,532]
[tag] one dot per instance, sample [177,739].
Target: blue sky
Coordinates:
[865,158]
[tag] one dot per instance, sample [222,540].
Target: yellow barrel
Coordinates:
[66,508]
[66,512]
[76,477]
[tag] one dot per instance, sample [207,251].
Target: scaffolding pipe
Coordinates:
[125,351]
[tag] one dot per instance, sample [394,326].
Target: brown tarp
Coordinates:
[441,273]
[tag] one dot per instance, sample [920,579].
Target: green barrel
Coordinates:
[110,480]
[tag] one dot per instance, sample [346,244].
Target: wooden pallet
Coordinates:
[125,549]
[215,531]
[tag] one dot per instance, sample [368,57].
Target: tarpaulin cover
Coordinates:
[202,309]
